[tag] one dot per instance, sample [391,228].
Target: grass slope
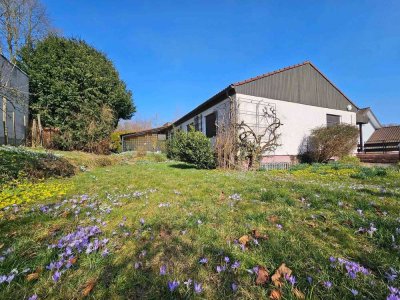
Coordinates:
[169,214]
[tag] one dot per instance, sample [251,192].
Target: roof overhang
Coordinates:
[365,116]
[156,130]
[217,98]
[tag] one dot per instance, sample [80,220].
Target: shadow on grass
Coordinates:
[122,278]
[182,166]
[381,193]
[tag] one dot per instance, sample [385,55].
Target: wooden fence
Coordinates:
[379,147]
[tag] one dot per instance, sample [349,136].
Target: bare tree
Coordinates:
[134,125]
[22,23]
[253,143]
[226,140]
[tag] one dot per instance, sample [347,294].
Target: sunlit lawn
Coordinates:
[168,215]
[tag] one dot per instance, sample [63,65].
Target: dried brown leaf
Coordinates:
[273,219]
[275,295]
[244,240]
[164,233]
[32,276]
[72,260]
[262,275]
[311,224]
[222,196]
[280,273]
[298,294]
[257,235]
[89,287]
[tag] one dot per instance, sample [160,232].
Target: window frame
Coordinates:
[211,132]
[329,124]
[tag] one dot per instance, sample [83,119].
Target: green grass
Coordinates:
[316,206]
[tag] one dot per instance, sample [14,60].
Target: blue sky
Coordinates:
[174,55]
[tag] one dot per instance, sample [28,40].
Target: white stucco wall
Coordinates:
[367,130]
[298,119]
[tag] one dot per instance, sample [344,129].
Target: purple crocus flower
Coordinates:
[235,265]
[163,270]
[33,297]
[309,279]
[279,226]
[234,286]
[188,282]
[291,279]
[328,284]
[141,221]
[226,259]
[354,292]
[105,252]
[220,269]
[173,285]
[56,276]
[197,288]
[10,278]
[255,269]
[203,260]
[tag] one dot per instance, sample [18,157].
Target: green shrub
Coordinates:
[325,143]
[192,147]
[18,162]
[115,144]
[365,173]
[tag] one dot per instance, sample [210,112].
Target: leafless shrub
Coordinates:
[226,140]
[326,143]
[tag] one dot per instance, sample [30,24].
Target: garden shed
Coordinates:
[153,140]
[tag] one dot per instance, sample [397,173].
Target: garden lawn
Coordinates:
[128,231]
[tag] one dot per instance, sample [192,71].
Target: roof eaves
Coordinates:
[152,130]
[14,65]
[202,105]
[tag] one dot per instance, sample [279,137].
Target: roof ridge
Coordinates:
[271,73]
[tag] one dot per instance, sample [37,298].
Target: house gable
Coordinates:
[302,83]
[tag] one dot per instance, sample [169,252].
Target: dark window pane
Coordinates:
[332,120]
[211,128]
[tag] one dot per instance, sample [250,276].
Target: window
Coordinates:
[332,120]
[211,126]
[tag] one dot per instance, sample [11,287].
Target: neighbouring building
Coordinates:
[147,140]
[14,103]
